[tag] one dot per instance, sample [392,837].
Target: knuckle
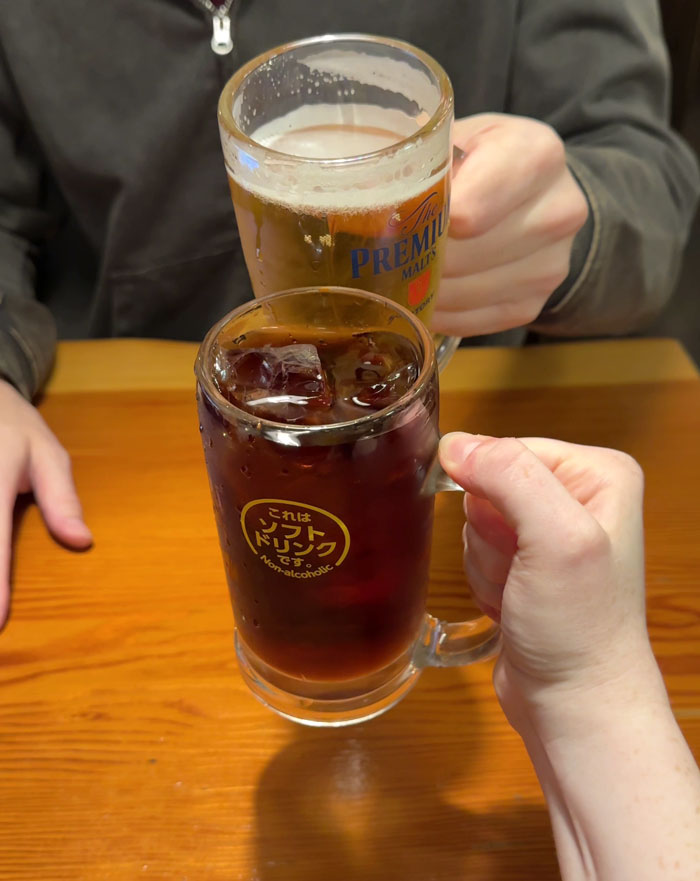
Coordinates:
[628,467]
[48,448]
[521,312]
[554,273]
[531,308]
[557,276]
[468,222]
[506,454]
[583,542]
[578,210]
[547,149]
[564,219]
[63,457]
[511,315]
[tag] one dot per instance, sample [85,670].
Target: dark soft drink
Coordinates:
[326,538]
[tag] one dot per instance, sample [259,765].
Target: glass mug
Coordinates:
[338,153]
[326,530]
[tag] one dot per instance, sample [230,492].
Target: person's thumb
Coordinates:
[518,484]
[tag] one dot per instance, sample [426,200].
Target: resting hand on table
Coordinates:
[554,550]
[514,213]
[33,460]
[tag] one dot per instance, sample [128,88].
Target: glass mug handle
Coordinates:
[447,643]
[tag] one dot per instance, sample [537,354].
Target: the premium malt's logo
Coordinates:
[295,539]
[418,289]
[410,244]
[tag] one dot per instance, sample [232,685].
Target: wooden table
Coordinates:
[129,747]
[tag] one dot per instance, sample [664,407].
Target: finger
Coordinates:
[489,523]
[557,213]
[510,240]
[7,502]
[491,562]
[537,274]
[488,595]
[608,483]
[11,482]
[519,485]
[486,319]
[55,493]
[504,298]
[507,162]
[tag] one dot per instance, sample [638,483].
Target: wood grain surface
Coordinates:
[129,747]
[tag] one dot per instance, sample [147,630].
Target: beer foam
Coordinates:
[335,131]
[329,133]
[389,74]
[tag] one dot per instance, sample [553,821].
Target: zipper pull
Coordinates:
[221,41]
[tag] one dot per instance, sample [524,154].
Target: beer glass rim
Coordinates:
[293,434]
[442,112]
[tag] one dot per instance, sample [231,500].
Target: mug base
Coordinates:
[364,699]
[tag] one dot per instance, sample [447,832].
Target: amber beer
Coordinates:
[338,158]
[390,242]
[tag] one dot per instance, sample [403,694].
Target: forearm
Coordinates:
[27,331]
[622,788]
[597,71]
[638,227]
[27,343]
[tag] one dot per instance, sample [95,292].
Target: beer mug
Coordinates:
[338,153]
[325,511]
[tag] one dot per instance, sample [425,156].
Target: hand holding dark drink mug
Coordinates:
[319,416]
[555,550]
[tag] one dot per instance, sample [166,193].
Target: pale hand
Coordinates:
[33,460]
[515,211]
[554,550]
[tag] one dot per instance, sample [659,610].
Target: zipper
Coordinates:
[222,38]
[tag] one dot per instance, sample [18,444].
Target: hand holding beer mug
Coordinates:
[319,416]
[338,152]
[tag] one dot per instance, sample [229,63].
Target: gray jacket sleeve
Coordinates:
[26,357]
[597,71]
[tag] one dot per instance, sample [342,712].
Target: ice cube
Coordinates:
[281,383]
[383,368]
[389,389]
